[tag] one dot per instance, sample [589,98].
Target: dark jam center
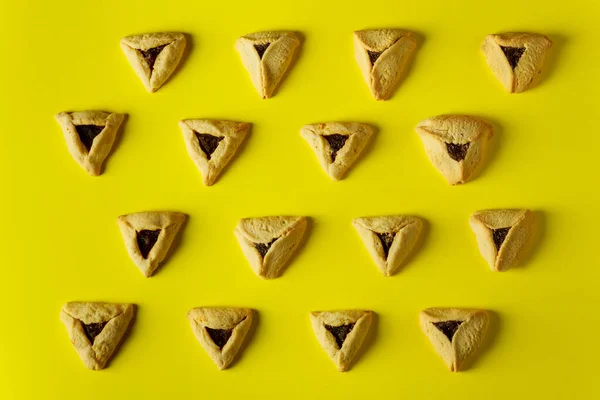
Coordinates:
[263,248]
[93,330]
[151,54]
[340,333]
[386,241]
[374,55]
[457,152]
[208,143]
[513,55]
[220,337]
[499,236]
[448,328]
[336,142]
[261,48]
[146,239]
[87,134]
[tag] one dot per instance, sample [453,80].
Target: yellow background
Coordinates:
[60,242]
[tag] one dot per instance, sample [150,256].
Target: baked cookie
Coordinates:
[455,333]
[383,55]
[269,242]
[516,58]
[337,144]
[154,56]
[388,239]
[267,56]
[90,136]
[96,329]
[211,144]
[341,333]
[502,235]
[148,237]
[455,144]
[221,331]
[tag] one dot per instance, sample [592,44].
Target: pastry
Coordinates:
[383,55]
[337,144]
[267,56]
[455,333]
[516,58]
[269,242]
[341,333]
[148,237]
[388,239]
[455,144]
[154,56]
[220,331]
[96,329]
[211,144]
[502,235]
[90,136]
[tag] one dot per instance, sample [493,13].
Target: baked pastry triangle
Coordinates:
[388,239]
[341,333]
[455,333]
[96,329]
[383,55]
[90,136]
[211,144]
[502,235]
[267,56]
[221,331]
[269,242]
[516,58]
[148,237]
[337,144]
[154,56]
[455,144]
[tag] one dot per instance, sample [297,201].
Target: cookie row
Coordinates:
[383,55]
[455,144]
[268,243]
[96,329]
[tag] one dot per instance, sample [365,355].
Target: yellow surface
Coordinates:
[60,242]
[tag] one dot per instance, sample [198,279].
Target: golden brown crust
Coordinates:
[231,135]
[166,61]
[444,133]
[93,159]
[466,339]
[278,236]
[235,320]
[528,54]
[116,317]
[266,72]
[357,136]
[514,242]
[168,223]
[341,356]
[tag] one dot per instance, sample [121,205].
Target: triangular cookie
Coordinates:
[95,329]
[337,144]
[267,56]
[220,331]
[269,242]
[383,55]
[388,239]
[516,58]
[455,144]
[211,144]
[341,333]
[90,136]
[154,56]
[502,235]
[148,237]
[455,333]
